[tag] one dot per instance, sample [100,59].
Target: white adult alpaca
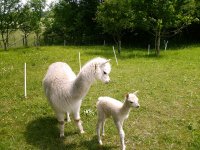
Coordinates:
[65,91]
[107,106]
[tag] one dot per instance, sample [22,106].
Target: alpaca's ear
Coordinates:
[106,62]
[136,92]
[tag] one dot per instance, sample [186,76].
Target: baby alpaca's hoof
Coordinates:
[82,132]
[124,148]
[62,135]
[68,120]
[100,143]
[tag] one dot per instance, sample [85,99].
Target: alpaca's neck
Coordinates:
[125,109]
[81,86]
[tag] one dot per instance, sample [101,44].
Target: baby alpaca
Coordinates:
[107,106]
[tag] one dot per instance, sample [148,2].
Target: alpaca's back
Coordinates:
[57,83]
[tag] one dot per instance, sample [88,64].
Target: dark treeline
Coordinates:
[128,22]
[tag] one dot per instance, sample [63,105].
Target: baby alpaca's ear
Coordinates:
[105,62]
[127,95]
[135,92]
[96,66]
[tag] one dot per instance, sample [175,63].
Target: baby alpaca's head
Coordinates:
[132,99]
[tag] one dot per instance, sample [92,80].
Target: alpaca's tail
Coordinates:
[98,100]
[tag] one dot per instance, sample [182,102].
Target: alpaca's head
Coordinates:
[102,70]
[132,99]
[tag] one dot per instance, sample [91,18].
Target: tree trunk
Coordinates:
[157,43]
[6,40]
[37,40]
[26,40]
[119,46]
[117,39]
[5,46]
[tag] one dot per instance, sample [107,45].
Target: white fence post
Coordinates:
[25,92]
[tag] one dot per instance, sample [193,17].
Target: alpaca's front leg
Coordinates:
[121,134]
[79,125]
[77,117]
[78,122]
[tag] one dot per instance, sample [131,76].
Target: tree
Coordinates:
[165,18]
[8,19]
[65,21]
[86,18]
[198,8]
[115,16]
[26,21]
[37,7]
[74,21]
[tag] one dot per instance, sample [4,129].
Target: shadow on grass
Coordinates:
[126,54]
[44,134]
[94,145]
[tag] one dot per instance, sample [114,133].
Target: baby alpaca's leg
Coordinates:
[98,130]
[68,117]
[103,124]
[121,133]
[100,123]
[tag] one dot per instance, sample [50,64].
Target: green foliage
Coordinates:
[198,8]
[115,16]
[72,21]
[169,96]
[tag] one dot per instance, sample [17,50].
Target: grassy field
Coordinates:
[16,40]
[169,116]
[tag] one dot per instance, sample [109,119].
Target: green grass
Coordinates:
[169,96]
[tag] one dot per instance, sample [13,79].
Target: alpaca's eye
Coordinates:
[131,102]
[104,72]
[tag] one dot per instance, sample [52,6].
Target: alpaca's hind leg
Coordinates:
[98,130]
[103,124]
[100,124]
[60,118]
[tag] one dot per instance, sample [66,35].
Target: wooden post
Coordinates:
[115,55]
[148,49]
[165,43]
[79,58]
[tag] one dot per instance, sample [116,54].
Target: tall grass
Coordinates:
[169,95]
